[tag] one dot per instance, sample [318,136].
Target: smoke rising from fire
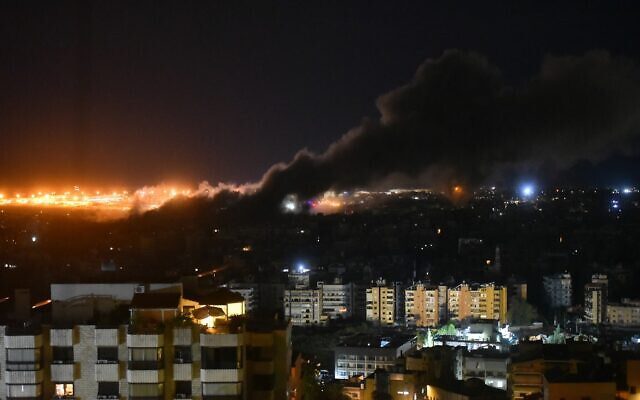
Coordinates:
[458,121]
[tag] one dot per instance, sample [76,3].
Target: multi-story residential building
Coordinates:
[248,293]
[532,361]
[488,365]
[172,348]
[484,301]
[421,305]
[595,299]
[516,288]
[363,354]
[304,306]
[337,299]
[381,303]
[558,289]
[625,313]
[443,303]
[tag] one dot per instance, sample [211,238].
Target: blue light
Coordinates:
[527,190]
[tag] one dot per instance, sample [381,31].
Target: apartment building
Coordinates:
[363,354]
[171,348]
[304,307]
[381,303]
[625,313]
[595,299]
[478,301]
[422,305]
[558,289]
[337,299]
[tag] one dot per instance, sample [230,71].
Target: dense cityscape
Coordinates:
[272,200]
[509,288]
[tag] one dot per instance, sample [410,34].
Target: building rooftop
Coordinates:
[473,388]
[391,341]
[219,296]
[155,300]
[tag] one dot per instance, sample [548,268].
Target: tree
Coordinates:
[521,312]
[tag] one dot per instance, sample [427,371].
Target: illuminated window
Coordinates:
[64,389]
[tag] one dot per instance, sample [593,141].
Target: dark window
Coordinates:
[183,389]
[221,358]
[107,354]
[62,355]
[263,382]
[108,389]
[182,354]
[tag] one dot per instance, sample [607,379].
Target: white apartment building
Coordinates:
[304,306]
[625,313]
[337,299]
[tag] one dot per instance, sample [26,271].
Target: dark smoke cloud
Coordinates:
[457,121]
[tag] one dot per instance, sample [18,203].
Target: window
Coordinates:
[108,389]
[183,389]
[23,359]
[146,358]
[64,389]
[107,354]
[221,358]
[145,354]
[62,355]
[182,354]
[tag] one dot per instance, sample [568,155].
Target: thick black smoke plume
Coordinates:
[458,121]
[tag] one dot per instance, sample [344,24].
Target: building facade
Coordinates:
[304,306]
[625,313]
[483,301]
[381,304]
[558,289]
[123,362]
[422,305]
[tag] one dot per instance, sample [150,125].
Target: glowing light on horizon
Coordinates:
[147,198]
[527,190]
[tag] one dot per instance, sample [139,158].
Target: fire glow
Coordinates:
[144,199]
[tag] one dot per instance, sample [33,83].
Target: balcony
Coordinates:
[61,337]
[62,372]
[23,377]
[107,337]
[107,372]
[22,338]
[221,339]
[145,364]
[221,375]
[182,372]
[145,340]
[145,376]
[24,392]
[221,389]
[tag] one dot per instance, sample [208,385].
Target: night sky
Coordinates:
[97,94]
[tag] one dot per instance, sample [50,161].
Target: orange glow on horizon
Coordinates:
[147,198]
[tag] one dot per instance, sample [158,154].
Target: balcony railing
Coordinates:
[145,365]
[62,372]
